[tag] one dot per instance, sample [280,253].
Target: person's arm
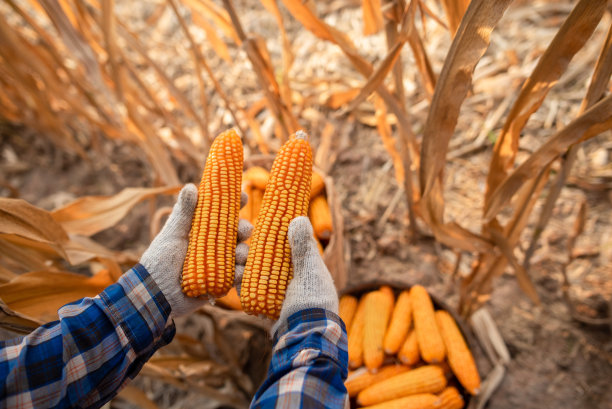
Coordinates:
[97,345]
[310,357]
[101,343]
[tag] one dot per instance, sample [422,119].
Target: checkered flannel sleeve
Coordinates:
[309,363]
[95,348]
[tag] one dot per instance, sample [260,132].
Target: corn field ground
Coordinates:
[468,143]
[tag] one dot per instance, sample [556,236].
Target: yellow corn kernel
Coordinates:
[426,379]
[418,401]
[460,358]
[361,378]
[450,398]
[321,218]
[347,308]
[230,300]
[355,335]
[210,262]
[428,335]
[378,307]
[257,177]
[399,325]
[269,268]
[409,351]
[317,185]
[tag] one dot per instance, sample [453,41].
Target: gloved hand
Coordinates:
[165,256]
[312,285]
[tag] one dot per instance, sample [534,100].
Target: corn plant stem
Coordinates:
[133,41]
[199,57]
[108,30]
[282,113]
[404,139]
[551,199]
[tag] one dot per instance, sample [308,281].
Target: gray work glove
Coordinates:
[165,256]
[312,285]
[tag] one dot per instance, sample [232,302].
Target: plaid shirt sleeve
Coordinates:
[309,364]
[96,347]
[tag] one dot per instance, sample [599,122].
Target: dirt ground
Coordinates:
[557,362]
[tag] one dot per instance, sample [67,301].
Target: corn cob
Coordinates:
[210,262]
[320,217]
[230,300]
[317,184]
[460,358]
[269,267]
[430,342]
[378,307]
[409,352]
[419,401]
[355,335]
[388,292]
[399,325]
[426,379]
[450,398]
[361,378]
[319,246]
[257,177]
[347,308]
[247,211]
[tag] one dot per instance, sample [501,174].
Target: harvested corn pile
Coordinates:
[389,336]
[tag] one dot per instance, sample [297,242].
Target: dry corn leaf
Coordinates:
[491,265]
[336,99]
[92,214]
[16,322]
[20,218]
[594,121]
[258,54]
[110,40]
[521,274]
[450,234]
[79,49]
[422,62]
[384,129]
[469,45]
[601,74]
[80,249]
[304,15]
[21,254]
[570,38]
[198,60]
[215,13]
[136,397]
[378,76]
[372,16]
[454,10]
[217,44]
[272,7]
[39,294]
[6,275]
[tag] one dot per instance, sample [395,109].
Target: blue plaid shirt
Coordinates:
[99,344]
[309,364]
